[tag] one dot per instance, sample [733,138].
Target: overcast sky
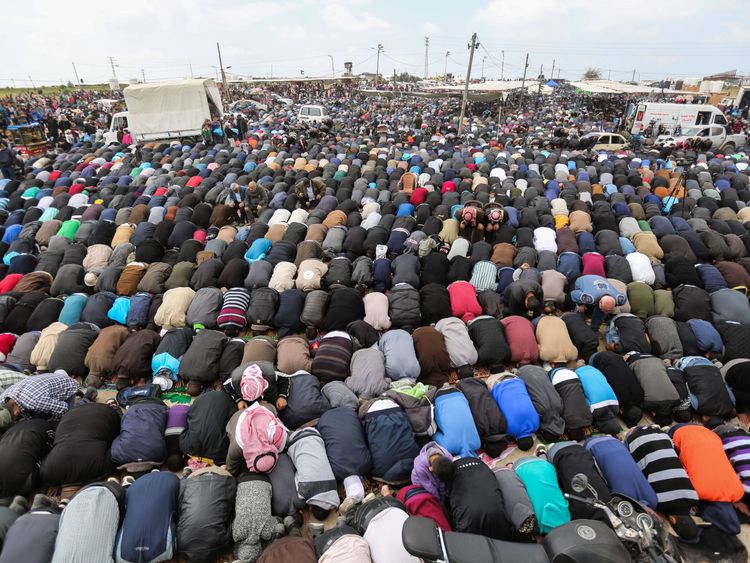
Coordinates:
[677,38]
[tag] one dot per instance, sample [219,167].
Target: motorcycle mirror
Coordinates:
[579,483]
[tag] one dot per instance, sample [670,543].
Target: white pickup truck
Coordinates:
[701,137]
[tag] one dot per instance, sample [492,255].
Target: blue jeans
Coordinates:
[597,318]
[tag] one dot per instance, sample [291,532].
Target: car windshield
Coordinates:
[689,131]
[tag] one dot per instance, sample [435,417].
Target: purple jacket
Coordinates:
[421,474]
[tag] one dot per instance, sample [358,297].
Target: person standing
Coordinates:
[7,161]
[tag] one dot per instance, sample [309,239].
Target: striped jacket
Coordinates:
[655,454]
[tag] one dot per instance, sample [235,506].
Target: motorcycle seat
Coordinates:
[421,536]
[472,548]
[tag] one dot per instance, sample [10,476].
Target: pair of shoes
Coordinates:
[186,472]
[528,525]
[113,480]
[128,480]
[541,451]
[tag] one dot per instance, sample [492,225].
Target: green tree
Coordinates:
[406,77]
[592,73]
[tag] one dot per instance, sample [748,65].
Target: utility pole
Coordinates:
[223,74]
[465,98]
[609,74]
[78,80]
[633,79]
[377,63]
[552,74]
[483,59]
[143,74]
[34,85]
[445,74]
[541,79]
[333,70]
[113,64]
[523,82]
[426,55]
[502,66]
[191,69]
[394,79]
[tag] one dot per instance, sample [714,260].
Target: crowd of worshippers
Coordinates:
[283,328]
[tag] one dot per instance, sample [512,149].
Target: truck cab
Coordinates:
[119,121]
[704,138]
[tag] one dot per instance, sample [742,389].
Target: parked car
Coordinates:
[282,100]
[606,141]
[313,114]
[242,106]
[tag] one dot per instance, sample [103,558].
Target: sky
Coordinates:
[162,39]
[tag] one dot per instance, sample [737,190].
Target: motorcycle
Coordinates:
[580,541]
[639,529]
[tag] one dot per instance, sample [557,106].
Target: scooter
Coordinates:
[580,541]
[639,529]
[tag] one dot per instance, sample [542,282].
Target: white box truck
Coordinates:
[166,110]
[669,116]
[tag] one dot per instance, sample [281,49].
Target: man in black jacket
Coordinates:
[524,298]
[7,161]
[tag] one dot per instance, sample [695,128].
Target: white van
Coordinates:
[313,114]
[671,115]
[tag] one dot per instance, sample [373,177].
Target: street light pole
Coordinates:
[426,56]
[445,74]
[502,66]
[483,59]
[333,70]
[78,80]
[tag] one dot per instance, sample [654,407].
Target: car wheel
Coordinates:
[728,147]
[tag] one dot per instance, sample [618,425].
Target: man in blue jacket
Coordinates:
[596,294]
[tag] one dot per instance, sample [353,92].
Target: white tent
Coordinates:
[614,87]
[493,86]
